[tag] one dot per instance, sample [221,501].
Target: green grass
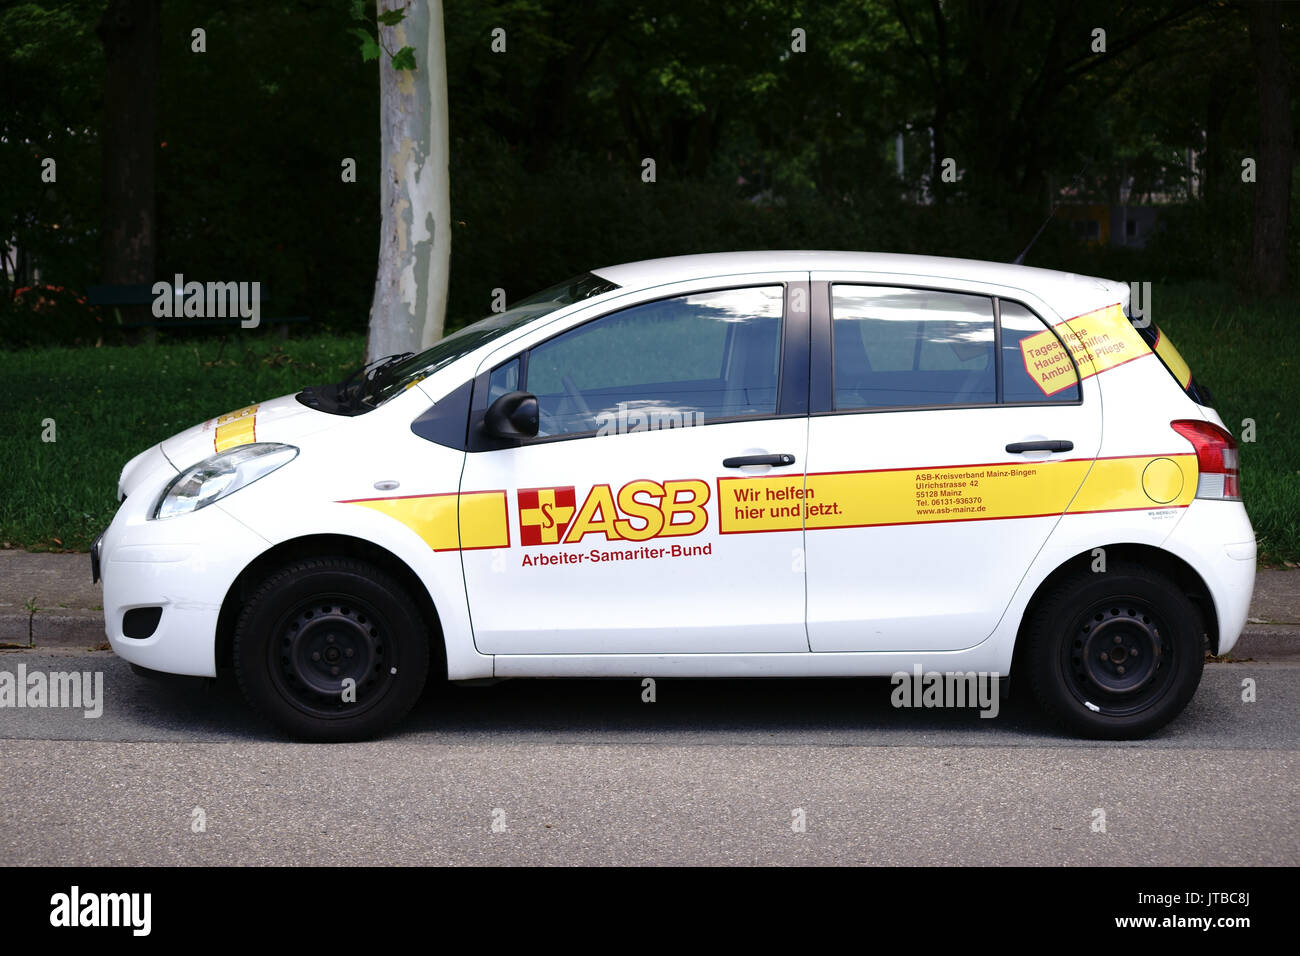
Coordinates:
[110,403]
[1249,355]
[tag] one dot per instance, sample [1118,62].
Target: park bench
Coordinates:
[141,295]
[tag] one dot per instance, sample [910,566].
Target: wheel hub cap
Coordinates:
[1119,655]
[332,656]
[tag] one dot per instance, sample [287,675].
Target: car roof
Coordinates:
[1067,293]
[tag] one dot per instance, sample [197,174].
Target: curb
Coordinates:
[77,627]
[1268,642]
[66,627]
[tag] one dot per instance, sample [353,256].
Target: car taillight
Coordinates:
[1216,459]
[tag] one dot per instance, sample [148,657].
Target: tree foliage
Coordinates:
[755,143]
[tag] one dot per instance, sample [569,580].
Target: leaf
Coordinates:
[391,18]
[369,48]
[404,59]
[358,9]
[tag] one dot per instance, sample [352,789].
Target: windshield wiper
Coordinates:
[352,390]
[387,364]
[373,377]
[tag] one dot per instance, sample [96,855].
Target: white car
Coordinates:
[734,465]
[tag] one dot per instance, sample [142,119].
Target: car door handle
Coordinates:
[741,461]
[1017,447]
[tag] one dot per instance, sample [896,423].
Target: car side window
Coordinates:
[686,360]
[1035,365]
[896,347]
[504,379]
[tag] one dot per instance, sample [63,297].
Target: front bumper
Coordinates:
[184,567]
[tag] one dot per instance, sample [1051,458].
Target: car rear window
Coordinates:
[1171,359]
[912,348]
[907,348]
[1036,367]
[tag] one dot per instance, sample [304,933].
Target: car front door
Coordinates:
[658,510]
[949,433]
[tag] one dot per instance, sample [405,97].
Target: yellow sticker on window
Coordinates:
[1098,341]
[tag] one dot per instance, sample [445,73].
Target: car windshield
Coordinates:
[389,380]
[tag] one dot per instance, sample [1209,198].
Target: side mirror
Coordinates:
[513,415]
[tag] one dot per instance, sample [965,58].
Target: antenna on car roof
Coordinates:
[1020,259]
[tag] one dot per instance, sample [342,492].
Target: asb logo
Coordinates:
[640,510]
[544,513]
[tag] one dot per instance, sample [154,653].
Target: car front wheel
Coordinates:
[1116,654]
[331,649]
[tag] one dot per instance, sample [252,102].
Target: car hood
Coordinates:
[283,419]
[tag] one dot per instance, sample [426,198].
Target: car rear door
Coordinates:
[658,511]
[949,431]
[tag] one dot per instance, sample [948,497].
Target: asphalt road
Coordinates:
[712,772]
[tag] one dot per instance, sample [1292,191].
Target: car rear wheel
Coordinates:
[331,649]
[1115,655]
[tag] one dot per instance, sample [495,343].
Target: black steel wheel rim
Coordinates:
[1118,657]
[325,642]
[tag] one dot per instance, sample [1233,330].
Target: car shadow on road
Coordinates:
[828,711]
[755,710]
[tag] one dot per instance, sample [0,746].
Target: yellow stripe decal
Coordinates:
[482,518]
[1126,484]
[483,521]
[1098,340]
[236,428]
[864,499]
[1171,357]
[858,499]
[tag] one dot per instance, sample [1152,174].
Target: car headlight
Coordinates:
[214,478]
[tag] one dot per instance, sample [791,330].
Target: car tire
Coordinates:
[1115,655]
[314,625]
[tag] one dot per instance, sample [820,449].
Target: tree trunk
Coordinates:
[131,33]
[415,238]
[1216,176]
[1268,265]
